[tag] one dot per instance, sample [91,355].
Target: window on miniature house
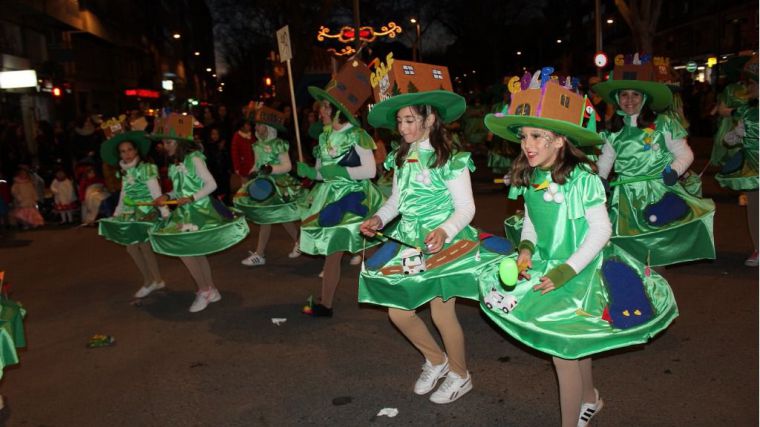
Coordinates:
[438,74]
[408,70]
[522,110]
[564,100]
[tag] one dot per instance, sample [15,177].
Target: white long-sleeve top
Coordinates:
[209,183]
[599,232]
[153,186]
[367,168]
[683,156]
[63,191]
[460,189]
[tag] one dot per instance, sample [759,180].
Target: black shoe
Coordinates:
[319,310]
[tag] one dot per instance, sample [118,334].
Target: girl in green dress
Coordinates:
[342,198]
[200,225]
[568,301]
[740,170]
[277,202]
[654,217]
[432,194]
[134,215]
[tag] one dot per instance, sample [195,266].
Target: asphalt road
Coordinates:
[231,366]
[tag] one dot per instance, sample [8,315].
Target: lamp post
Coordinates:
[416,46]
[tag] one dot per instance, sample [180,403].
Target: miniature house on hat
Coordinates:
[348,90]
[397,77]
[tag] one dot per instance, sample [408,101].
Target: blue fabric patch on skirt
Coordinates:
[629,305]
[497,244]
[261,189]
[221,209]
[669,209]
[734,163]
[332,214]
[382,255]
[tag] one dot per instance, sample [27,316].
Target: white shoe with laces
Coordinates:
[356,260]
[588,410]
[453,388]
[204,298]
[430,376]
[253,260]
[146,290]
[295,253]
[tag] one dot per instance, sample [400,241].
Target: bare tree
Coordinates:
[641,17]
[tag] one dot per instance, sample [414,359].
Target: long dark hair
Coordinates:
[139,156]
[568,157]
[183,149]
[440,138]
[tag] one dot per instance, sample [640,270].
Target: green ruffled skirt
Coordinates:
[126,229]
[282,206]
[569,322]
[11,332]
[332,213]
[198,229]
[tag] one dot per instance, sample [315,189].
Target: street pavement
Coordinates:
[231,366]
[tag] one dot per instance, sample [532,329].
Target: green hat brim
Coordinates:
[449,105]
[109,150]
[508,126]
[321,95]
[279,127]
[659,95]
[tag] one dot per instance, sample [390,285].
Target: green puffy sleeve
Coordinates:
[280,146]
[584,190]
[457,164]
[365,140]
[515,191]
[148,171]
[671,126]
[390,160]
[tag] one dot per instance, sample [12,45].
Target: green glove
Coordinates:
[305,171]
[334,171]
[560,274]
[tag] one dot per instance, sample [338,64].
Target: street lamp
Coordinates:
[176,36]
[416,46]
[610,21]
[208,70]
[559,41]
[519,52]
[197,53]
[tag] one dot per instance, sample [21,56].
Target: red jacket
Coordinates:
[242,154]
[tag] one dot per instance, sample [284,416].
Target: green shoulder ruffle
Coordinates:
[458,162]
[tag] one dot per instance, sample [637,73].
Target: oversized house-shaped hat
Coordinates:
[397,84]
[174,126]
[642,73]
[116,132]
[269,116]
[547,102]
[348,90]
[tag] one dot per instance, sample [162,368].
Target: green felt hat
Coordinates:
[549,106]
[450,106]
[399,83]
[347,91]
[109,150]
[650,77]
[174,126]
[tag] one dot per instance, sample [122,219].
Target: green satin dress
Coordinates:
[568,322]
[198,228]
[11,331]
[424,203]
[643,154]
[282,206]
[745,178]
[132,225]
[339,195]
[732,97]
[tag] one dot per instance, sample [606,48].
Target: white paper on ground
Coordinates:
[389,412]
[279,320]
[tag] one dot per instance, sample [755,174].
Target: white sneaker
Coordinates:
[146,290]
[752,260]
[295,253]
[430,376]
[453,388]
[254,260]
[356,260]
[588,410]
[322,274]
[203,298]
